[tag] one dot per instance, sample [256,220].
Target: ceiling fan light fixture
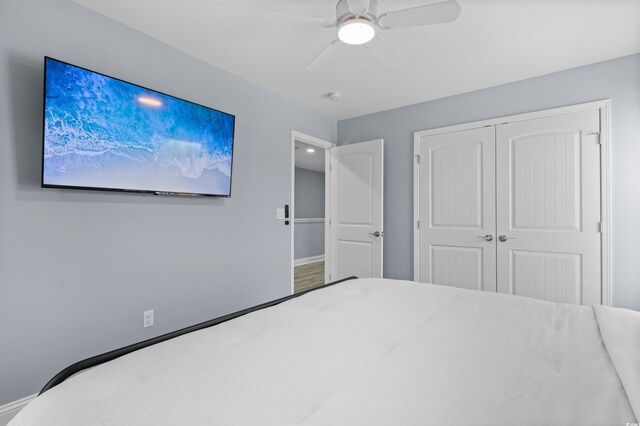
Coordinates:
[356,31]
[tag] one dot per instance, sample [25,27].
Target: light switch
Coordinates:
[279,213]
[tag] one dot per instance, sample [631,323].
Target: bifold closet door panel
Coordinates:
[548,208]
[457,209]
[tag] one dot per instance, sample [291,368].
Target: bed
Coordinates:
[371,352]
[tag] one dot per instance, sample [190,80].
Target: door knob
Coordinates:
[504,238]
[374,234]
[487,237]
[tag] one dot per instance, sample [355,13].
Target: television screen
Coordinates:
[105,133]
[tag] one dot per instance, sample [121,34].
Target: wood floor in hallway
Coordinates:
[308,276]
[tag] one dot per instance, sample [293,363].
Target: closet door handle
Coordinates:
[504,238]
[487,237]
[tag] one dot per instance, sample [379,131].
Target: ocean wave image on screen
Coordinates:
[104,133]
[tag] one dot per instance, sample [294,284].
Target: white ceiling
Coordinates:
[492,42]
[309,160]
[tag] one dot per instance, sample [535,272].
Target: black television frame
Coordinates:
[121,190]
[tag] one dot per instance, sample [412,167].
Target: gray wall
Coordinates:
[308,240]
[618,80]
[309,203]
[78,268]
[309,193]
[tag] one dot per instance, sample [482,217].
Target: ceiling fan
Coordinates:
[358,23]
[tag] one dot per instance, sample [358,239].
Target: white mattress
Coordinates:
[371,352]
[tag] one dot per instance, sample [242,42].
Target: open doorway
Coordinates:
[309,198]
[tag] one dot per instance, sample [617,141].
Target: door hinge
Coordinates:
[418,224]
[600,227]
[418,158]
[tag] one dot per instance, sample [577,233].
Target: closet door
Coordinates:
[456,209]
[548,208]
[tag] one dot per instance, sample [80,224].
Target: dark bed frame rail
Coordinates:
[117,353]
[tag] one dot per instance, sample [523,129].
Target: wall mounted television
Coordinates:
[103,133]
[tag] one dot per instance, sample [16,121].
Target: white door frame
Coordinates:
[326,146]
[604,106]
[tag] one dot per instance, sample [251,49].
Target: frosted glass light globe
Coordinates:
[356,31]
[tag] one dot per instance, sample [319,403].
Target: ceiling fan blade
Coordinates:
[358,7]
[386,54]
[323,57]
[298,19]
[429,14]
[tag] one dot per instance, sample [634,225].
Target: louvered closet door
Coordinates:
[456,185]
[548,206]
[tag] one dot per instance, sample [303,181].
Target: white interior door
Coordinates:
[548,206]
[356,228]
[456,209]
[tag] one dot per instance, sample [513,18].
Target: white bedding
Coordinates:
[372,352]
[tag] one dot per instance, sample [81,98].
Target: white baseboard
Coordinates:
[9,411]
[306,260]
[309,220]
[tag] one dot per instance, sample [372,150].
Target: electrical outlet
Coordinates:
[147,319]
